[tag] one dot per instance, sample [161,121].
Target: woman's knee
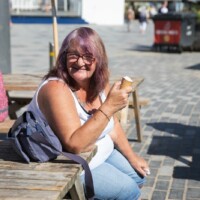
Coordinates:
[129,191]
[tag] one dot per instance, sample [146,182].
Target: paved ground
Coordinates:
[171,122]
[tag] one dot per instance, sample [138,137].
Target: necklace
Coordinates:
[87,107]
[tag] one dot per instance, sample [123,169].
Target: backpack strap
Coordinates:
[76,158]
[88,176]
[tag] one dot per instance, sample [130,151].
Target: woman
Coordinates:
[75,99]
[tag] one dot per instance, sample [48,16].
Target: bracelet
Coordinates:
[104,114]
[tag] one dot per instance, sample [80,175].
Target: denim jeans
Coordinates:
[116,179]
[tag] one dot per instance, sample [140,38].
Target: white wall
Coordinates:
[103,12]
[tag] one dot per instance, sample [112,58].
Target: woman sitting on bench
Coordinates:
[75,99]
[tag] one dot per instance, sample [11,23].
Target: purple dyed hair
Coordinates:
[88,41]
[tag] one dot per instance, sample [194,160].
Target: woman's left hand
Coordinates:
[141,166]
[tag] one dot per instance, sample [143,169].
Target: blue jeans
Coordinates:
[116,179]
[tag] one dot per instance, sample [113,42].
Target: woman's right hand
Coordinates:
[117,98]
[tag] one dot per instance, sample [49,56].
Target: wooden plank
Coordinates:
[30,181]
[31,184]
[20,87]
[6,125]
[22,82]
[142,101]
[13,194]
[28,82]
[38,175]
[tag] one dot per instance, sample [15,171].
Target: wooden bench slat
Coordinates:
[141,100]
[6,125]
[38,175]
[8,194]
[50,180]
[33,184]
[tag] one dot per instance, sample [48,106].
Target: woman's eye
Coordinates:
[88,57]
[72,56]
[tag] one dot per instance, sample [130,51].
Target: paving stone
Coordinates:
[155,164]
[168,162]
[178,184]
[176,194]
[193,193]
[146,193]
[193,183]
[166,170]
[154,172]
[159,195]
[166,178]
[149,182]
[162,185]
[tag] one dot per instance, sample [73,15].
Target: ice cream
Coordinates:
[126,81]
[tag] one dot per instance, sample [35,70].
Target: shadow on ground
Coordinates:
[163,49]
[150,48]
[178,142]
[194,67]
[145,48]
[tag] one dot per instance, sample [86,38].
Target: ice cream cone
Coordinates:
[126,81]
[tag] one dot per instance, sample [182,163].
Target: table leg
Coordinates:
[11,108]
[77,191]
[15,104]
[137,114]
[124,115]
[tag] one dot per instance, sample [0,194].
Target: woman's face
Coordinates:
[80,65]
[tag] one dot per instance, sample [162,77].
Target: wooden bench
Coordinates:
[57,179]
[51,180]
[6,125]
[142,101]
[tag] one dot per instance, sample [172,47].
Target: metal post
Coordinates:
[5,61]
[51,55]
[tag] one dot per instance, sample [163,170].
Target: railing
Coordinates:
[25,4]
[45,5]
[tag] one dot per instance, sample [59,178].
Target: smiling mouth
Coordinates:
[79,68]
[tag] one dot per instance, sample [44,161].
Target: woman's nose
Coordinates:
[80,61]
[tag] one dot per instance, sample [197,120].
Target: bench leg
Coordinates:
[15,104]
[124,115]
[137,115]
[77,191]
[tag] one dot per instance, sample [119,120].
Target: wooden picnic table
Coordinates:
[135,105]
[22,82]
[50,180]
[29,82]
[20,89]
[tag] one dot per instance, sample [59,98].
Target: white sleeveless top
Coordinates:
[104,143]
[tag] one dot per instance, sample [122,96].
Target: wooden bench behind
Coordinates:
[6,125]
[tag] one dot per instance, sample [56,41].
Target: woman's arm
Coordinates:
[57,104]
[121,142]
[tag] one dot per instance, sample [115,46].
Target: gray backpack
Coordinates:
[33,140]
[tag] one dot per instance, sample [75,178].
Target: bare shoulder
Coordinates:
[57,104]
[54,86]
[55,93]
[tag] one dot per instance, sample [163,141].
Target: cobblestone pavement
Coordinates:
[170,122]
